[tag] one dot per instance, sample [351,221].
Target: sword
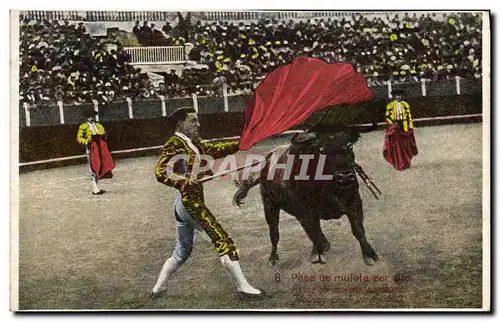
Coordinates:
[229,171]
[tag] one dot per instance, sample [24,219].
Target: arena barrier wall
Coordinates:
[153,107]
[50,146]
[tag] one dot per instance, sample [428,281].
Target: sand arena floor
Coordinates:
[78,251]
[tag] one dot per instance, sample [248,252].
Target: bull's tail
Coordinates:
[243,189]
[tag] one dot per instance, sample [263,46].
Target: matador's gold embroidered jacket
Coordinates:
[391,111]
[192,197]
[84,135]
[175,145]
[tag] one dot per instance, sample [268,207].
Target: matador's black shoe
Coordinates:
[101,191]
[245,296]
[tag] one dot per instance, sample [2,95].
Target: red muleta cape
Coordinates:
[291,93]
[399,147]
[101,161]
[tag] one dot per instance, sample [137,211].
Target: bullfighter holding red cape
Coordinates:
[399,143]
[93,136]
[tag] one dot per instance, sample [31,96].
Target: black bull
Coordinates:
[310,201]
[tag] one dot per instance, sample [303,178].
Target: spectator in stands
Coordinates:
[145,33]
[81,28]
[184,27]
[28,96]
[59,93]
[167,28]
[105,95]
[66,26]
[172,78]
[157,37]
[137,29]
[161,90]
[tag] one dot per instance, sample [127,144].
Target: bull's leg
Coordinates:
[312,227]
[324,241]
[272,214]
[356,220]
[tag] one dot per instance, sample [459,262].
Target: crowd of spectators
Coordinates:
[193,80]
[149,35]
[400,48]
[64,62]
